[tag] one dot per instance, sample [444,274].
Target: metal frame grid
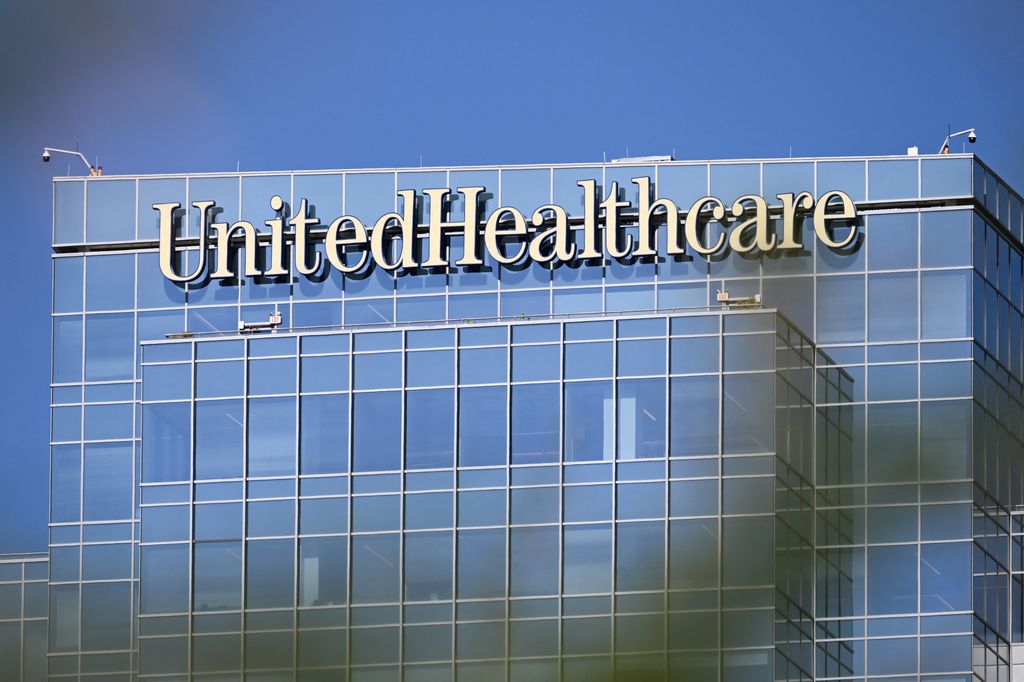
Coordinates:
[997,206]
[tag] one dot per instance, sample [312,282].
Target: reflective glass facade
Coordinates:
[23,596]
[587,472]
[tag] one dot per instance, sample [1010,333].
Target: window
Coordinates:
[107,492]
[588,421]
[270,579]
[430,429]
[535,423]
[534,561]
[324,434]
[166,442]
[694,426]
[482,425]
[322,565]
[217,583]
[376,438]
[218,439]
[641,418]
[587,559]
[428,566]
[375,564]
[271,437]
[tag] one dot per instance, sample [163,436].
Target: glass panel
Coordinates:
[217,582]
[588,503]
[324,195]
[535,363]
[65,491]
[109,347]
[749,422]
[846,176]
[69,212]
[110,211]
[106,619]
[105,280]
[892,179]
[324,434]
[224,191]
[640,358]
[641,418]
[271,441]
[430,425]
[376,446]
[730,181]
[219,439]
[640,556]
[588,360]
[219,379]
[589,420]
[840,309]
[157,191]
[695,407]
[270,579]
[67,285]
[535,423]
[375,568]
[256,193]
[166,442]
[892,579]
[945,304]
[164,579]
[218,521]
[63,621]
[780,178]
[322,565]
[946,177]
[272,376]
[588,559]
[892,241]
[534,561]
[107,490]
[378,370]
[428,566]
[892,307]
[430,368]
[368,196]
[482,426]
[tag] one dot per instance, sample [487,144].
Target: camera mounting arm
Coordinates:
[46,157]
[971,137]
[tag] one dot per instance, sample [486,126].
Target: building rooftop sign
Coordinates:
[507,234]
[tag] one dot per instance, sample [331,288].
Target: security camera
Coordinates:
[971,137]
[46,156]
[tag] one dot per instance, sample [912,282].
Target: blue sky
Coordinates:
[162,87]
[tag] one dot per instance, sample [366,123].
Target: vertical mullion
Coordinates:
[508,497]
[348,503]
[454,487]
[666,334]
[561,488]
[297,496]
[245,490]
[401,497]
[193,369]
[721,489]
[81,444]
[615,485]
